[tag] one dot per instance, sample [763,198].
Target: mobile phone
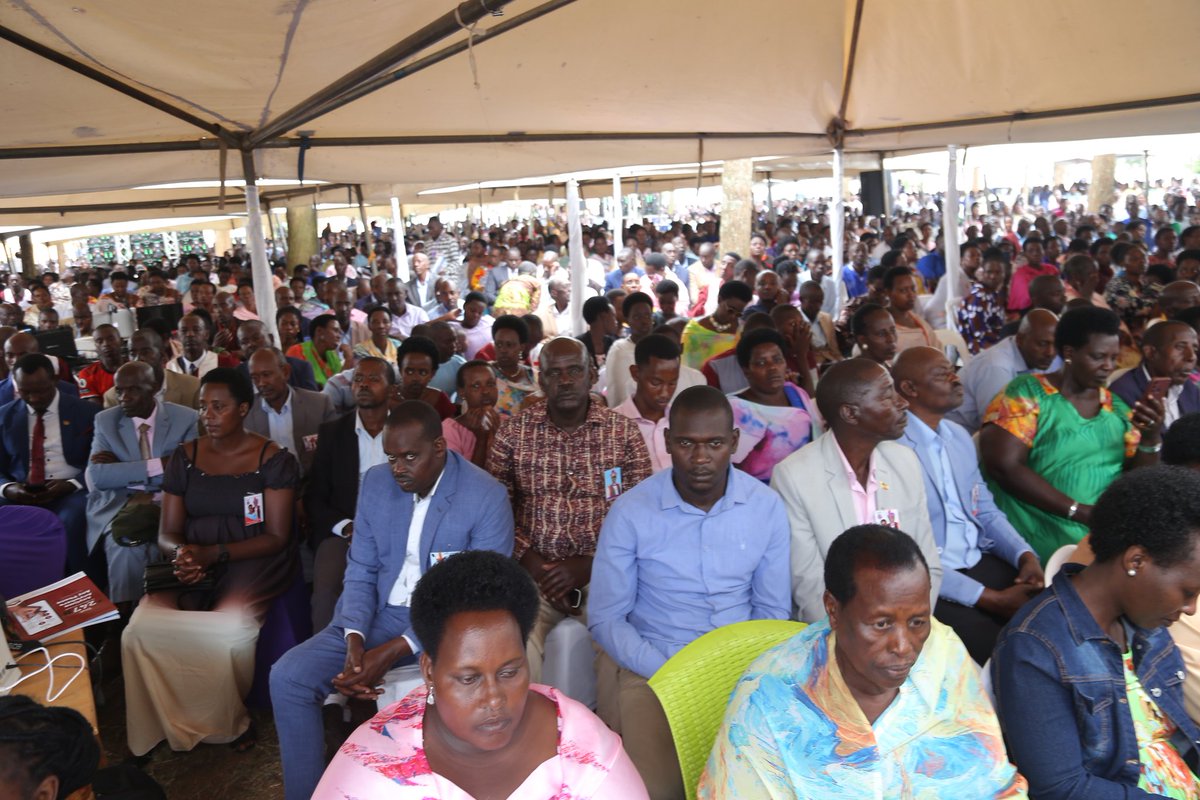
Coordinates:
[1157,388]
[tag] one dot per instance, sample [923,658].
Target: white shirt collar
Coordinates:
[52,409]
[358,426]
[418,499]
[147,420]
[287,404]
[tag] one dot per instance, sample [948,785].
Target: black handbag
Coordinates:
[160,577]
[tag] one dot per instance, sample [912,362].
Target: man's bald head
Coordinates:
[1038,318]
[1161,334]
[700,400]
[140,373]
[563,346]
[845,383]
[912,364]
[266,356]
[19,344]
[1035,338]
[1047,291]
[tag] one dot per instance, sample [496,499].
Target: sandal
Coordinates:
[246,741]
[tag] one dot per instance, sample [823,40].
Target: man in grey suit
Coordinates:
[420,287]
[130,447]
[426,503]
[856,474]
[284,414]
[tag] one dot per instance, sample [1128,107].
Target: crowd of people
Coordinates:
[445,466]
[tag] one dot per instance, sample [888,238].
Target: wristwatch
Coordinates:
[1071,511]
[222,554]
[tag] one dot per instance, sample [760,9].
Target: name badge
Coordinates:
[889,517]
[975,499]
[613,485]
[310,443]
[439,557]
[252,509]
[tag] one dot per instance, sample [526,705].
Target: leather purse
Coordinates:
[160,577]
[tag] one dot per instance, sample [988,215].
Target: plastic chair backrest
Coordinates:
[33,549]
[1059,557]
[694,686]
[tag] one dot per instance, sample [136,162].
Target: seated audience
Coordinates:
[1130,293]
[1088,683]
[252,335]
[45,439]
[45,753]
[125,474]
[291,326]
[282,413]
[1052,443]
[723,370]
[322,352]
[425,504]
[981,313]
[862,476]
[197,359]
[417,359]
[1045,292]
[380,343]
[514,378]
[705,337]
[1031,266]
[1169,351]
[473,613]
[227,532]
[21,344]
[563,463]
[655,374]
[824,338]
[405,315]
[695,547]
[874,331]
[97,378]
[774,416]
[470,433]
[475,324]
[911,330]
[148,346]
[988,569]
[602,330]
[1081,278]
[1030,350]
[876,700]
[638,310]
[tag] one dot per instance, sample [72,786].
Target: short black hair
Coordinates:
[474,363]
[756,337]
[473,297]
[735,290]
[1099,243]
[235,380]
[1077,266]
[1187,255]
[1156,507]
[1030,240]
[1077,325]
[868,546]
[473,580]
[417,344]
[632,300]
[858,320]
[380,307]
[655,346]
[665,286]
[35,362]
[700,398]
[321,321]
[421,413]
[889,259]
[281,313]
[511,322]
[1181,441]
[37,742]
[389,372]
[876,273]
[593,307]
[894,274]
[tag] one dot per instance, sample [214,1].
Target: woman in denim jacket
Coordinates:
[1089,685]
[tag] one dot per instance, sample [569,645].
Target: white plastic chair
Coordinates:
[1060,556]
[952,338]
[569,663]
[397,683]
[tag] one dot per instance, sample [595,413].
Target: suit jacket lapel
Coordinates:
[437,508]
[838,487]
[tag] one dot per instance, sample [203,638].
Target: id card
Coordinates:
[310,443]
[252,509]
[613,485]
[889,517]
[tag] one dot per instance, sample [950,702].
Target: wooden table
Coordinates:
[77,696]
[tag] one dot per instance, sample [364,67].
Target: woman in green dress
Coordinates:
[718,332]
[321,352]
[1052,443]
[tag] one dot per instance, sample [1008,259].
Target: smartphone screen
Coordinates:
[1157,388]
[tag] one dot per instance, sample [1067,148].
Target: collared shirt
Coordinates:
[403,324]
[561,484]
[1170,401]
[793,729]
[370,453]
[154,466]
[94,380]
[667,572]
[862,497]
[652,433]
[446,377]
[961,548]
[410,573]
[424,289]
[986,376]
[856,284]
[57,468]
[279,423]
[207,362]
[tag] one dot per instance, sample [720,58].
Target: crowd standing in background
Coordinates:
[437,467]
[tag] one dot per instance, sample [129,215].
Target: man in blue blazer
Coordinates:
[425,504]
[119,471]
[1168,351]
[51,481]
[988,571]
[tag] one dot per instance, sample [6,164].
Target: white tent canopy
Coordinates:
[107,96]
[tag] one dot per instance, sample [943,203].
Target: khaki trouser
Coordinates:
[548,616]
[629,706]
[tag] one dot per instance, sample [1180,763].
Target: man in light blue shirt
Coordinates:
[690,549]
[1031,350]
[988,571]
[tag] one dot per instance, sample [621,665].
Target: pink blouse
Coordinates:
[385,758]
[458,438]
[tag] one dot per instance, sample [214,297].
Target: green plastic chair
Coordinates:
[694,686]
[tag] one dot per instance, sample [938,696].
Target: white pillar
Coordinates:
[401,247]
[950,225]
[618,241]
[578,257]
[260,268]
[836,217]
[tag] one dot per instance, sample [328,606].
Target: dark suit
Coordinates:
[469,511]
[8,393]
[309,410]
[76,424]
[1132,385]
[301,377]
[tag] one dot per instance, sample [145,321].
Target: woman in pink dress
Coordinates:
[478,728]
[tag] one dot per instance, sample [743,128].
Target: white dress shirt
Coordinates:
[57,468]
[207,362]
[370,453]
[410,573]
[402,325]
[280,423]
[154,466]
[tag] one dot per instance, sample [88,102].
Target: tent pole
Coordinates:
[618,232]
[399,246]
[362,213]
[836,219]
[260,268]
[953,274]
[770,201]
[578,258]
[1146,173]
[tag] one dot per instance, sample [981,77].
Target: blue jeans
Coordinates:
[300,682]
